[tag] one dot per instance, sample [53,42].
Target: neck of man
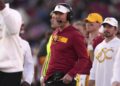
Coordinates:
[93,34]
[64,25]
[107,39]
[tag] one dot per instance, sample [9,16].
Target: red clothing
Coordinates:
[98,39]
[69,53]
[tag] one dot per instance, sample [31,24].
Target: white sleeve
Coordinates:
[116,68]
[28,72]
[12,19]
[93,69]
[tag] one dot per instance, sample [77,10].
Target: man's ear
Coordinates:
[99,24]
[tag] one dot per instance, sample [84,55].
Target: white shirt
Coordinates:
[28,71]
[11,52]
[116,68]
[102,67]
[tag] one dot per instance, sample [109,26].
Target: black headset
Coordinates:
[69,14]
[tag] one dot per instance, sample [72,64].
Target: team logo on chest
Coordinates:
[57,38]
[104,54]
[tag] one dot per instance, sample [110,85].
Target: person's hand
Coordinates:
[42,84]
[91,83]
[24,83]
[2,4]
[42,81]
[116,84]
[67,79]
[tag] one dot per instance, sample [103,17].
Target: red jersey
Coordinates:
[68,53]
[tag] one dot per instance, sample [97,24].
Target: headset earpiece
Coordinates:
[69,14]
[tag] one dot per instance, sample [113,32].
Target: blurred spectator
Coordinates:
[93,23]
[80,26]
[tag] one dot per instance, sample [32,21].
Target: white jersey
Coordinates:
[104,56]
[11,52]
[28,65]
[116,68]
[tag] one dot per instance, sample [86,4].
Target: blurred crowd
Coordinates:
[37,19]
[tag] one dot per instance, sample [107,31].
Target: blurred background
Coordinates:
[36,17]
